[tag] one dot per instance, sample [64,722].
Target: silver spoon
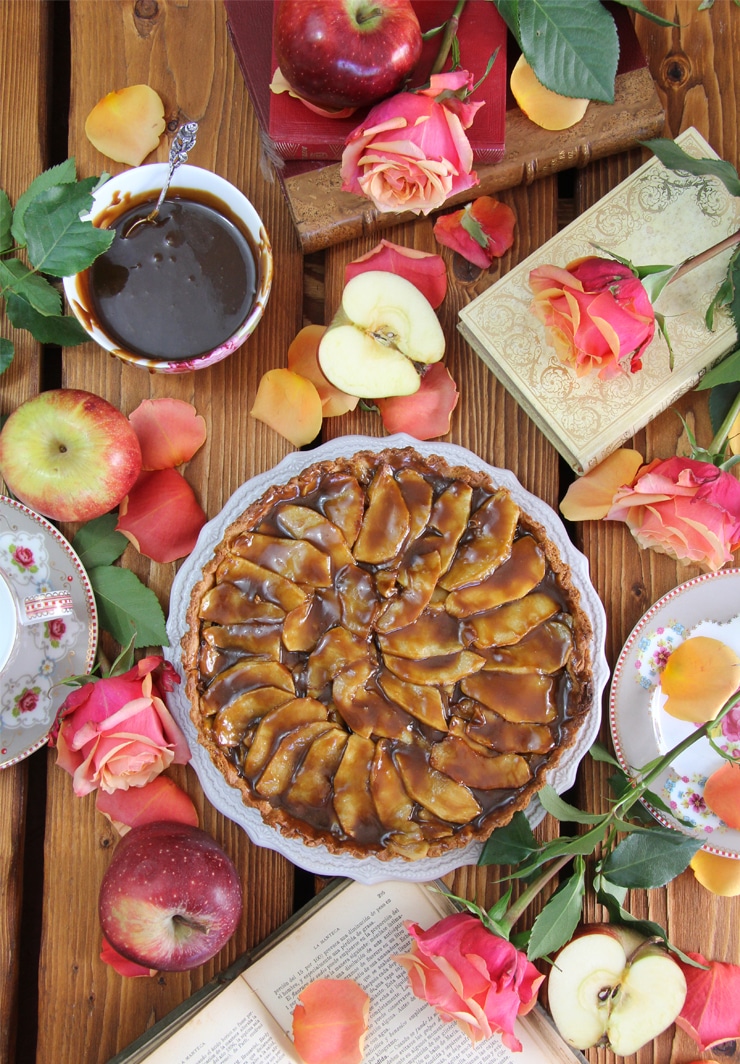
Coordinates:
[182,143]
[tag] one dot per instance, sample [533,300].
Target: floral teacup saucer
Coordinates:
[48,627]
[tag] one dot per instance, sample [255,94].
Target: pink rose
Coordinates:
[682,507]
[411,152]
[472,976]
[24,556]
[28,701]
[57,628]
[596,313]
[117,732]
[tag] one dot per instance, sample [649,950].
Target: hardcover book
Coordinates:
[349,931]
[293,132]
[656,216]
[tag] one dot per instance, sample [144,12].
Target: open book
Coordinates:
[349,931]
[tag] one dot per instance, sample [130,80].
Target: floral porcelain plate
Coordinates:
[228,800]
[708,605]
[48,627]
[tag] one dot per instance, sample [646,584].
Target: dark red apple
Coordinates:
[346,53]
[170,898]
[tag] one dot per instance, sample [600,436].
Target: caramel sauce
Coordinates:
[375,715]
[177,287]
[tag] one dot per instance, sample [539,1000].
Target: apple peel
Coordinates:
[426,414]
[290,404]
[591,496]
[145,516]
[330,1022]
[126,124]
[426,270]
[161,799]
[303,358]
[698,678]
[169,432]
[710,1014]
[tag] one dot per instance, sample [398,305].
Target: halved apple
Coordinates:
[610,986]
[383,326]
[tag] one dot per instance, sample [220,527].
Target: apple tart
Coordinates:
[386,654]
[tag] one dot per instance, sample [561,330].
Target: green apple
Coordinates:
[384,326]
[69,454]
[613,987]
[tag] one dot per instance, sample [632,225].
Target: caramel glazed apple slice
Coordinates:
[385,654]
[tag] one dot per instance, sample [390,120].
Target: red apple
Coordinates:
[346,53]
[69,454]
[171,897]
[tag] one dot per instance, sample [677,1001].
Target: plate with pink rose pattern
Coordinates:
[708,605]
[36,559]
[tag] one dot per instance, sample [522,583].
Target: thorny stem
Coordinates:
[450,32]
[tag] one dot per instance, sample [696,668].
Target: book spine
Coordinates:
[295,151]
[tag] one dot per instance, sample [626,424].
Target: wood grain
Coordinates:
[24,59]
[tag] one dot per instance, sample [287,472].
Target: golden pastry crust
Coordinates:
[385,655]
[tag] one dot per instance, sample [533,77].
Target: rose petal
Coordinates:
[427,413]
[280,84]
[698,678]
[591,496]
[717,874]
[722,793]
[146,516]
[121,964]
[303,358]
[169,432]
[161,799]
[126,125]
[710,1013]
[489,233]
[290,404]
[330,1022]
[424,269]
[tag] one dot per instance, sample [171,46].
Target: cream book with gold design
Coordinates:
[656,216]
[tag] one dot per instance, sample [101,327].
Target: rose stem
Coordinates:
[449,34]
[705,256]
[718,443]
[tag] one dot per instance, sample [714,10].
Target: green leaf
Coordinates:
[560,917]
[511,844]
[7,350]
[655,278]
[473,228]
[60,329]
[98,543]
[126,607]
[59,241]
[726,372]
[62,174]
[509,12]
[6,218]
[31,286]
[650,858]
[572,46]
[639,7]
[674,157]
[721,399]
[562,810]
[600,753]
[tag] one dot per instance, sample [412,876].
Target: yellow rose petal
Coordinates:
[699,677]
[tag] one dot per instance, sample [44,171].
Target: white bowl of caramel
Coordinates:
[184,290]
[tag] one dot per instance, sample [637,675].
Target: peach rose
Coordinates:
[682,507]
[596,314]
[411,152]
[472,976]
[117,732]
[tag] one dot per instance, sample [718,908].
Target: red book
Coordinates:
[293,132]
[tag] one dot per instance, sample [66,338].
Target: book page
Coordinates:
[234,1027]
[355,937]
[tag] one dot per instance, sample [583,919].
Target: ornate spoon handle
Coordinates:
[183,142]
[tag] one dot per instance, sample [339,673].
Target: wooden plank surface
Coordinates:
[84,1011]
[24,65]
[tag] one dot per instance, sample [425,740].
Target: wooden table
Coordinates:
[58,1001]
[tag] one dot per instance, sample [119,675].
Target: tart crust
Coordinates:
[385,655]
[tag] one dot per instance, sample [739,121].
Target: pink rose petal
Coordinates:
[161,516]
[710,1013]
[121,964]
[425,270]
[426,414]
[161,799]
[169,432]
[330,1022]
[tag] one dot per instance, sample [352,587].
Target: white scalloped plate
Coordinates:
[641,730]
[226,799]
